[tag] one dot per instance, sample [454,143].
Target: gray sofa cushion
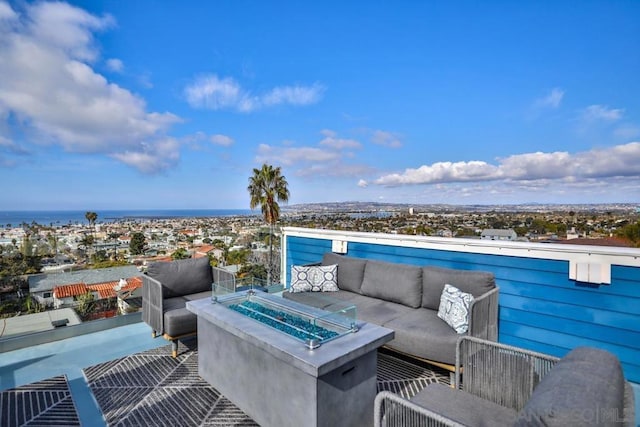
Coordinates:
[434,278]
[377,311]
[423,334]
[465,408]
[401,283]
[586,387]
[315,299]
[182,277]
[350,270]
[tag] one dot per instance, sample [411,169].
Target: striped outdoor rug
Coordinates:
[154,389]
[43,403]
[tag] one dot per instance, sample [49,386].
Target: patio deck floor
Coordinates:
[116,358]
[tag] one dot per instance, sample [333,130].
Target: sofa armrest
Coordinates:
[152,304]
[483,316]
[500,373]
[391,410]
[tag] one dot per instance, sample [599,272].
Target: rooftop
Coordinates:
[123,375]
[552,298]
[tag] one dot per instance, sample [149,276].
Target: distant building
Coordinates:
[41,285]
[495,234]
[66,295]
[39,322]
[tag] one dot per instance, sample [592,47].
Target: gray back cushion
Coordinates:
[434,278]
[350,270]
[586,387]
[401,283]
[182,277]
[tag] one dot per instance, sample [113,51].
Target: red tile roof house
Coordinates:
[206,250]
[66,295]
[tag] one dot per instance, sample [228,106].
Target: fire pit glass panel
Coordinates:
[311,325]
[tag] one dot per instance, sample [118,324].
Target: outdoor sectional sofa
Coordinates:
[406,299]
[166,288]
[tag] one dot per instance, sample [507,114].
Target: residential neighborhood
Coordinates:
[94,269]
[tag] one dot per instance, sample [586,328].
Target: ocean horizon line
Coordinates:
[74,216]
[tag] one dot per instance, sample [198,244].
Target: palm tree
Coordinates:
[267,187]
[91,217]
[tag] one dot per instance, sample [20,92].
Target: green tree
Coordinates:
[86,241]
[85,304]
[137,243]
[631,232]
[180,253]
[32,306]
[238,257]
[256,271]
[267,187]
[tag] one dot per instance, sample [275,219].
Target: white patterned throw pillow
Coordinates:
[314,278]
[454,308]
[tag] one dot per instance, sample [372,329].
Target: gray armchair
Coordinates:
[504,385]
[167,286]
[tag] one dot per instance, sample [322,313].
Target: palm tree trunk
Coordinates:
[270,254]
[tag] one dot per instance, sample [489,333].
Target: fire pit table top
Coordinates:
[350,339]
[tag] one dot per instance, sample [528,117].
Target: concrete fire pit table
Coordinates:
[278,380]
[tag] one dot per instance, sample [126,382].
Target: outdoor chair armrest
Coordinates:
[500,373]
[391,410]
[629,409]
[483,316]
[152,304]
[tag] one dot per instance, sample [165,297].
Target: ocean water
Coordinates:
[60,218]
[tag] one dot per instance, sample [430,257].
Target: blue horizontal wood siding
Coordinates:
[540,307]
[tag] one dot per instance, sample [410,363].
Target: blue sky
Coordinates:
[145,104]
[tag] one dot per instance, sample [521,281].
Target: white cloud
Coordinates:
[617,161]
[362,183]
[552,100]
[386,139]
[6,13]
[326,159]
[152,158]
[627,131]
[294,95]
[211,92]
[292,155]
[441,172]
[11,147]
[222,140]
[340,143]
[115,65]
[215,94]
[595,113]
[49,85]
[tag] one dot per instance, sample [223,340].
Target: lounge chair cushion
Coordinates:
[586,387]
[465,408]
[350,270]
[401,283]
[434,278]
[182,277]
[177,319]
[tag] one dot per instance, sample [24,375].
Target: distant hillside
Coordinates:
[353,206]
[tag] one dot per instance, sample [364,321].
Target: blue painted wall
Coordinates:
[540,308]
